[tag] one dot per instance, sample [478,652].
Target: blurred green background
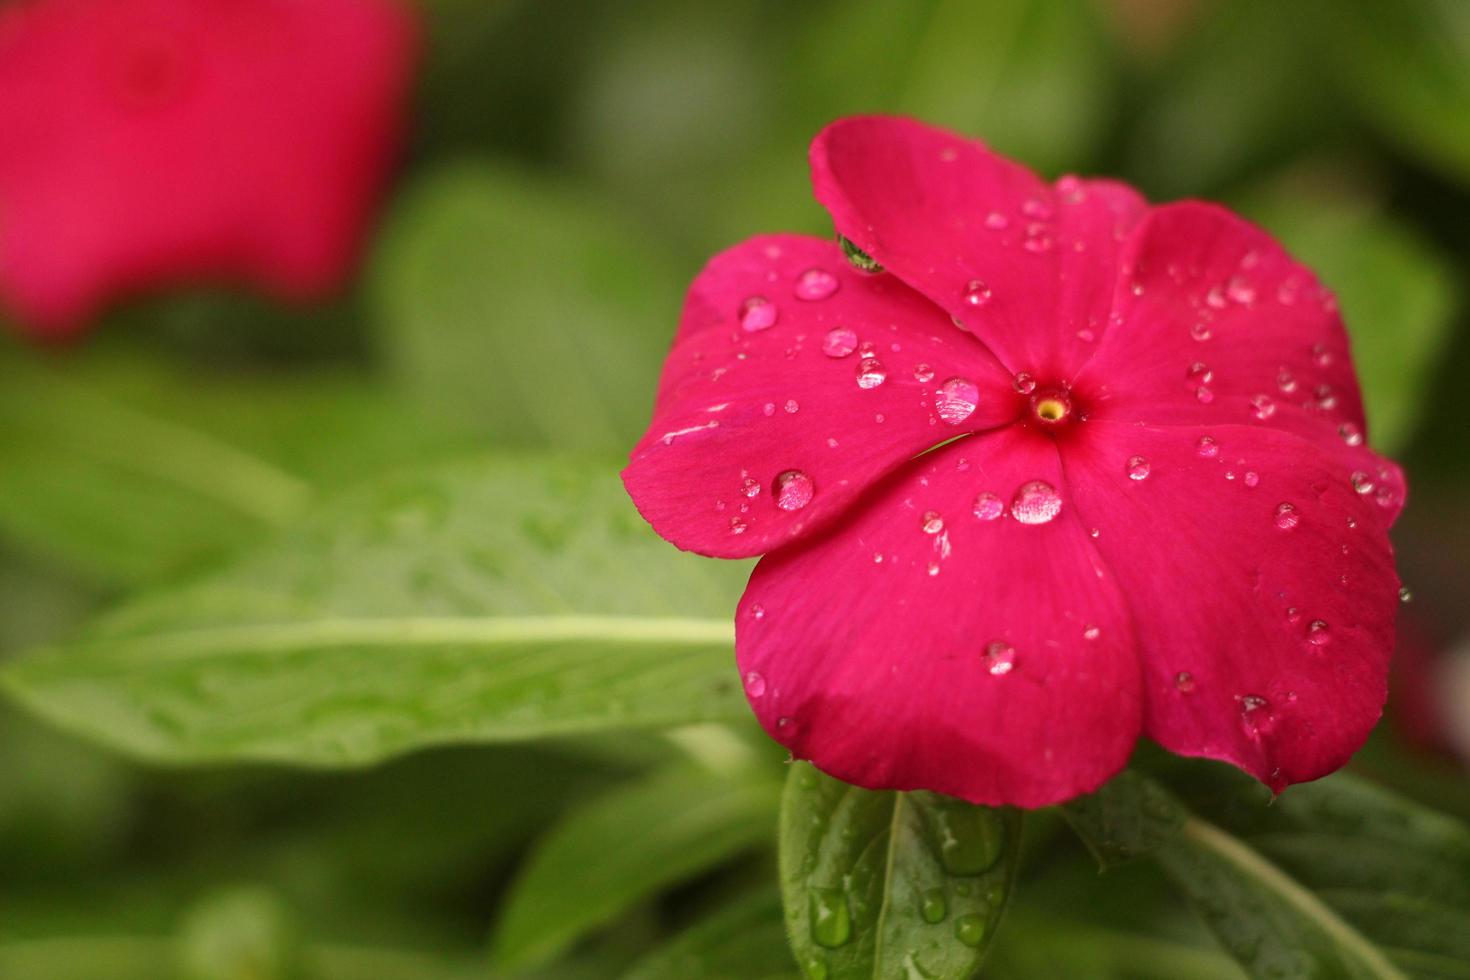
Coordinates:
[572,166]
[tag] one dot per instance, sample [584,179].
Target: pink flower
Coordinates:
[1071,469]
[145,143]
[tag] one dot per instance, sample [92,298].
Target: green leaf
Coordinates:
[481,601]
[523,313]
[622,849]
[128,467]
[1130,817]
[746,940]
[1338,878]
[887,884]
[1407,64]
[1397,296]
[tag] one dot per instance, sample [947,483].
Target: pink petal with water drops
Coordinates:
[1218,325]
[769,426]
[1265,613]
[928,642]
[1028,267]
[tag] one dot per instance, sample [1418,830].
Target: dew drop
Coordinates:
[1253,715]
[1287,516]
[976,293]
[839,342]
[815,284]
[755,684]
[1351,434]
[1036,502]
[971,838]
[737,526]
[1204,395]
[871,373]
[1285,381]
[1263,406]
[1251,478]
[1091,633]
[1184,682]
[793,490]
[988,506]
[1137,468]
[1201,332]
[996,221]
[932,906]
[1000,658]
[970,929]
[1024,383]
[1293,615]
[1362,482]
[1207,447]
[1318,633]
[956,399]
[750,486]
[757,313]
[1199,373]
[931,522]
[1405,596]
[923,373]
[1321,356]
[831,922]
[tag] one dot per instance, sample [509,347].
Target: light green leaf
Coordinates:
[887,884]
[522,312]
[475,602]
[1397,297]
[622,849]
[1407,64]
[746,940]
[128,467]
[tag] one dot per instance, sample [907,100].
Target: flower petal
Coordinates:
[1262,587]
[1218,325]
[923,646]
[770,420]
[943,213]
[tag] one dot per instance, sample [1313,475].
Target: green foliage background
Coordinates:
[331,648]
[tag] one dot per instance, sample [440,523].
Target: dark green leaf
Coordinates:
[1130,817]
[474,602]
[621,849]
[886,884]
[524,313]
[743,941]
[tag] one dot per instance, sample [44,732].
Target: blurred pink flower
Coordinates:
[145,143]
[1071,469]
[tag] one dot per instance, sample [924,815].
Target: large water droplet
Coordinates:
[1287,516]
[839,342]
[757,313]
[932,906]
[831,922]
[988,506]
[815,969]
[815,284]
[970,929]
[955,400]
[1024,383]
[1137,468]
[1000,658]
[755,684]
[1036,502]
[793,490]
[871,373]
[976,293]
[970,838]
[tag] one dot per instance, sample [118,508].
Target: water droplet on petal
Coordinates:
[755,684]
[1254,717]
[1137,468]
[791,406]
[976,293]
[1351,434]
[996,221]
[1204,395]
[871,373]
[839,342]
[1036,502]
[1091,633]
[1207,447]
[1293,615]
[757,313]
[1318,633]
[1287,516]
[750,486]
[1321,356]
[1024,383]
[1405,595]
[988,506]
[737,526]
[923,373]
[1285,381]
[1000,658]
[1263,406]
[1251,478]
[956,399]
[1184,682]
[793,490]
[931,523]
[815,284]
